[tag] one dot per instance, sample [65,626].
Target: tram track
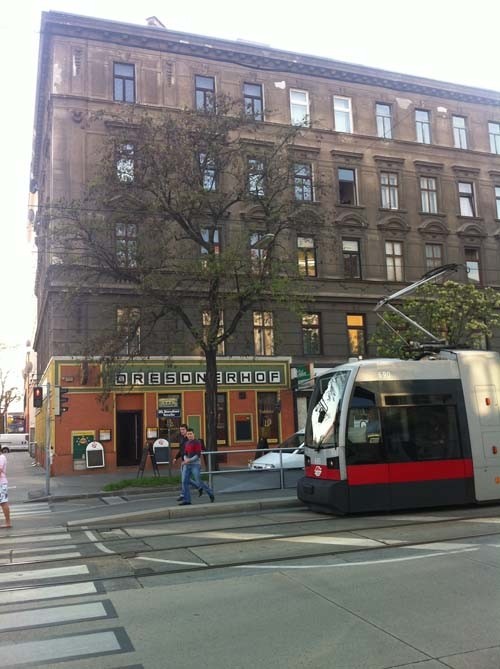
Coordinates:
[197,564]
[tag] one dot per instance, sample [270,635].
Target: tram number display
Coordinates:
[384,375]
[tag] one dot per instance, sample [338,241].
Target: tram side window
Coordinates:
[364,434]
[419,433]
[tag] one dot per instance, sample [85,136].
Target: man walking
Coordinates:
[4,492]
[192,467]
[180,455]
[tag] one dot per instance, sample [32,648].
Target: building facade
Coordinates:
[410,173]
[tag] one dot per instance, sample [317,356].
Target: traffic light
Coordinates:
[59,400]
[38,397]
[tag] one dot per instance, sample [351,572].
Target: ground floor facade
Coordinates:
[99,417]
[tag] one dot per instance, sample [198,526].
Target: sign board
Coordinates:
[169,413]
[94,455]
[79,442]
[161,449]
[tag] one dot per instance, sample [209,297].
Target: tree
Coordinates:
[188,213]
[8,395]
[461,314]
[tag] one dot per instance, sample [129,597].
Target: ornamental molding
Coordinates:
[433,228]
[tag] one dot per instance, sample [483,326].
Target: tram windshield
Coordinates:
[324,410]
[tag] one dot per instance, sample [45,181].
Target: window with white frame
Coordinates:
[208,172]
[258,254]
[351,256]
[126,244]
[342,113]
[311,334]
[423,126]
[472,265]
[389,190]
[306,256]
[125,163]
[299,107]
[303,182]
[466,198]
[255,169]
[128,329]
[253,101]
[207,334]
[204,93]
[459,132]
[356,334]
[428,195]
[494,133]
[497,201]
[433,256]
[348,192]
[394,260]
[384,120]
[263,333]
[123,82]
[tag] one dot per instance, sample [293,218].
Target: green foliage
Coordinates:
[461,314]
[145,482]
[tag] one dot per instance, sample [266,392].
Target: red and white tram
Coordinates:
[395,434]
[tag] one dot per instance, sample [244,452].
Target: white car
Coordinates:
[292,455]
[14,442]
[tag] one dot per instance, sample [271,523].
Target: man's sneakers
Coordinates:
[212,498]
[180,498]
[200,492]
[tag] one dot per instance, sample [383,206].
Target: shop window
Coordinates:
[267,405]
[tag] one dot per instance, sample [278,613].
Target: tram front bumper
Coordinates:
[324,495]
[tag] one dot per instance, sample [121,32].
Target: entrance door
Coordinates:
[129,438]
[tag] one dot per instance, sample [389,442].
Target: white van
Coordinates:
[14,442]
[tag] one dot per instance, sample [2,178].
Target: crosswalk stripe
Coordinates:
[35,574]
[28,539]
[61,648]
[38,549]
[47,592]
[50,616]
[332,540]
[46,558]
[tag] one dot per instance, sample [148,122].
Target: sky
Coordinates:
[447,40]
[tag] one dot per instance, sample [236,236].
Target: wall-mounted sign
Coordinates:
[169,413]
[226,378]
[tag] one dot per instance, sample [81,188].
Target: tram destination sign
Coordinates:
[273,376]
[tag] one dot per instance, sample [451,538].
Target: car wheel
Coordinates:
[5,449]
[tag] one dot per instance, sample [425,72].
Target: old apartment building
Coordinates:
[410,173]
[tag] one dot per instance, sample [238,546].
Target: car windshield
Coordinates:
[292,443]
[322,423]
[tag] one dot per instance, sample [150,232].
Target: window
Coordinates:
[214,240]
[459,132]
[347,186]
[472,265]
[267,415]
[342,114]
[258,254]
[128,329]
[299,107]
[384,120]
[423,126]
[205,93]
[356,335]
[352,258]
[252,94]
[126,244]
[206,321]
[125,164]
[497,200]
[303,182]
[394,260]
[466,197]
[208,172]
[263,333]
[311,339]
[428,195]
[256,177]
[306,256]
[123,82]
[433,256]
[494,132]
[389,190]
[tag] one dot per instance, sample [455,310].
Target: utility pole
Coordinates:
[47,444]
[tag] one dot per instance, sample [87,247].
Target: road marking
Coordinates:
[47,592]
[113,500]
[34,509]
[189,564]
[334,541]
[28,539]
[364,563]
[440,546]
[61,648]
[38,549]
[90,535]
[35,574]
[481,520]
[240,536]
[53,615]
[45,558]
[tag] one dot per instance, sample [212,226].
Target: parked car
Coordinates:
[292,455]
[14,442]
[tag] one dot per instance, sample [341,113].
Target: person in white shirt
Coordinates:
[4,491]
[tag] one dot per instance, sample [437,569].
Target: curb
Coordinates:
[192,511]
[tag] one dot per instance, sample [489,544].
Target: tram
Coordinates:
[388,434]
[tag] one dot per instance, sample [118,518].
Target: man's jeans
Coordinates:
[193,469]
